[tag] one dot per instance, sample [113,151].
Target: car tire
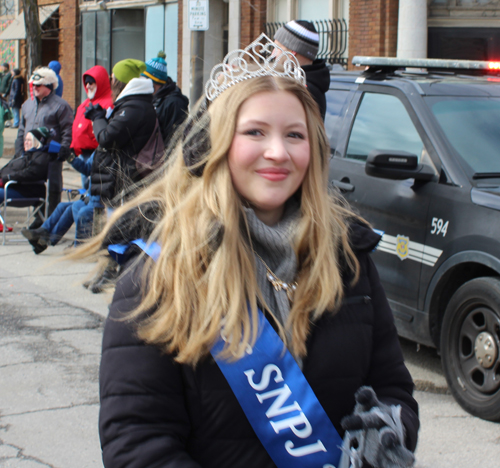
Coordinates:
[470,347]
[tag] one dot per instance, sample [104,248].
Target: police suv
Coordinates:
[416,151]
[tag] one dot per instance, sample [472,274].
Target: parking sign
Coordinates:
[198,15]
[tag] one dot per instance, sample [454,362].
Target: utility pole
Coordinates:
[198,11]
[197,54]
[33,35]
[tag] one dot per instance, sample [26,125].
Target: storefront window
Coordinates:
[88,40]
[103,39]
[127,35]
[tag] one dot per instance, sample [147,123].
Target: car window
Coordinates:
[335,107]
[472,125]
[382,123]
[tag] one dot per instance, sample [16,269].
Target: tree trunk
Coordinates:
[33,35]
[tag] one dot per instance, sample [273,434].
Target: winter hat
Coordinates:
[127,69]
[56,66]
[6,65]
[40,136]
[156,68]
[44,76]
[299,36]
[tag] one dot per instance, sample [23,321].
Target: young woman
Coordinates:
[242,222]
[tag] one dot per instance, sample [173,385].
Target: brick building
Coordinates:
[83,33]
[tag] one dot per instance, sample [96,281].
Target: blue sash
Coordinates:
[275,396]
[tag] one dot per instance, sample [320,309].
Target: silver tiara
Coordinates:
[235,66]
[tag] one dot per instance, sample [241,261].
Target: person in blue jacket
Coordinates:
[80,212]
[56,67]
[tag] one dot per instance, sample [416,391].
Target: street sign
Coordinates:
[198,15]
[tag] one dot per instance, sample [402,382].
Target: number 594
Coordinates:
[439,226]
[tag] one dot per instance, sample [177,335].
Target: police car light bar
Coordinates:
[393,62]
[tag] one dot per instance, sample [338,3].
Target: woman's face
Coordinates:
[270,153]
[28,142]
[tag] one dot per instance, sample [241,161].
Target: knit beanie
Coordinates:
[41,135]
[127,69]
[299,36]
[156,68]
[44,76]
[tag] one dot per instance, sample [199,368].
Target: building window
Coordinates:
[317,10]
[127,35]
[7,7]
[161,34]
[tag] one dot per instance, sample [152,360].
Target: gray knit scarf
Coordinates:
[274,245]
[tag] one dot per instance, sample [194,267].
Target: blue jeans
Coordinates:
[15,112]
[84,217]
[59,222]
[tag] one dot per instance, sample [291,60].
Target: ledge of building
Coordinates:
[113,5]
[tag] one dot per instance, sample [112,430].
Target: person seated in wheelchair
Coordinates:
[31,166]
[80,212]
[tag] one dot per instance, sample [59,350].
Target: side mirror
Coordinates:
[397,165]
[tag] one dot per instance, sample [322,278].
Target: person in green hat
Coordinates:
[122,134]
[170,104]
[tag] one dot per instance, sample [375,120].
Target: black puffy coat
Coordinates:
[16,92]
[318,83]
[171,107]
[120,140]
[31,166]
[156,413]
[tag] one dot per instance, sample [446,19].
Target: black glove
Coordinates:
[94,112]
[64,154]
[375,434]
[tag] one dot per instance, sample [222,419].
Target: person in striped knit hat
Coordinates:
[170,104]
[301,39]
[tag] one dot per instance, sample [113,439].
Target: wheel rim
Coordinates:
[478,351]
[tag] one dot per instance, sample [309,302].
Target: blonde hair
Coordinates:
[204,278]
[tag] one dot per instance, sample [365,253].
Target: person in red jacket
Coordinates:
[98,89]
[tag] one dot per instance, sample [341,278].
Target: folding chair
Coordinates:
[41,206]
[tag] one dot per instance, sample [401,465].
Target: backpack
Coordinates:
[151,155]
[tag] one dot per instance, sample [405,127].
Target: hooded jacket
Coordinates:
[5,83]
[56,67]
[155,412]
[318,82]
[171,107]
[16,92]
[121,138]
[83,133]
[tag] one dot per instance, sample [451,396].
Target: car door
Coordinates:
[385,120]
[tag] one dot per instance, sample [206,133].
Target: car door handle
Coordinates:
[342,186]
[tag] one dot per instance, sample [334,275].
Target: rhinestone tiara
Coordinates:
[235,66]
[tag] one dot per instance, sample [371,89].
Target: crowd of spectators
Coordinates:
[115,138]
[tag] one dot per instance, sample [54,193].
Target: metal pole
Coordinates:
[197,53]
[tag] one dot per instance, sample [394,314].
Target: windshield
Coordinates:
[472,125]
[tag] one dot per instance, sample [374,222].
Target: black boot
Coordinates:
[39,235]
[38,238]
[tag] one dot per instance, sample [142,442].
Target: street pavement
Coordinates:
[50,337]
